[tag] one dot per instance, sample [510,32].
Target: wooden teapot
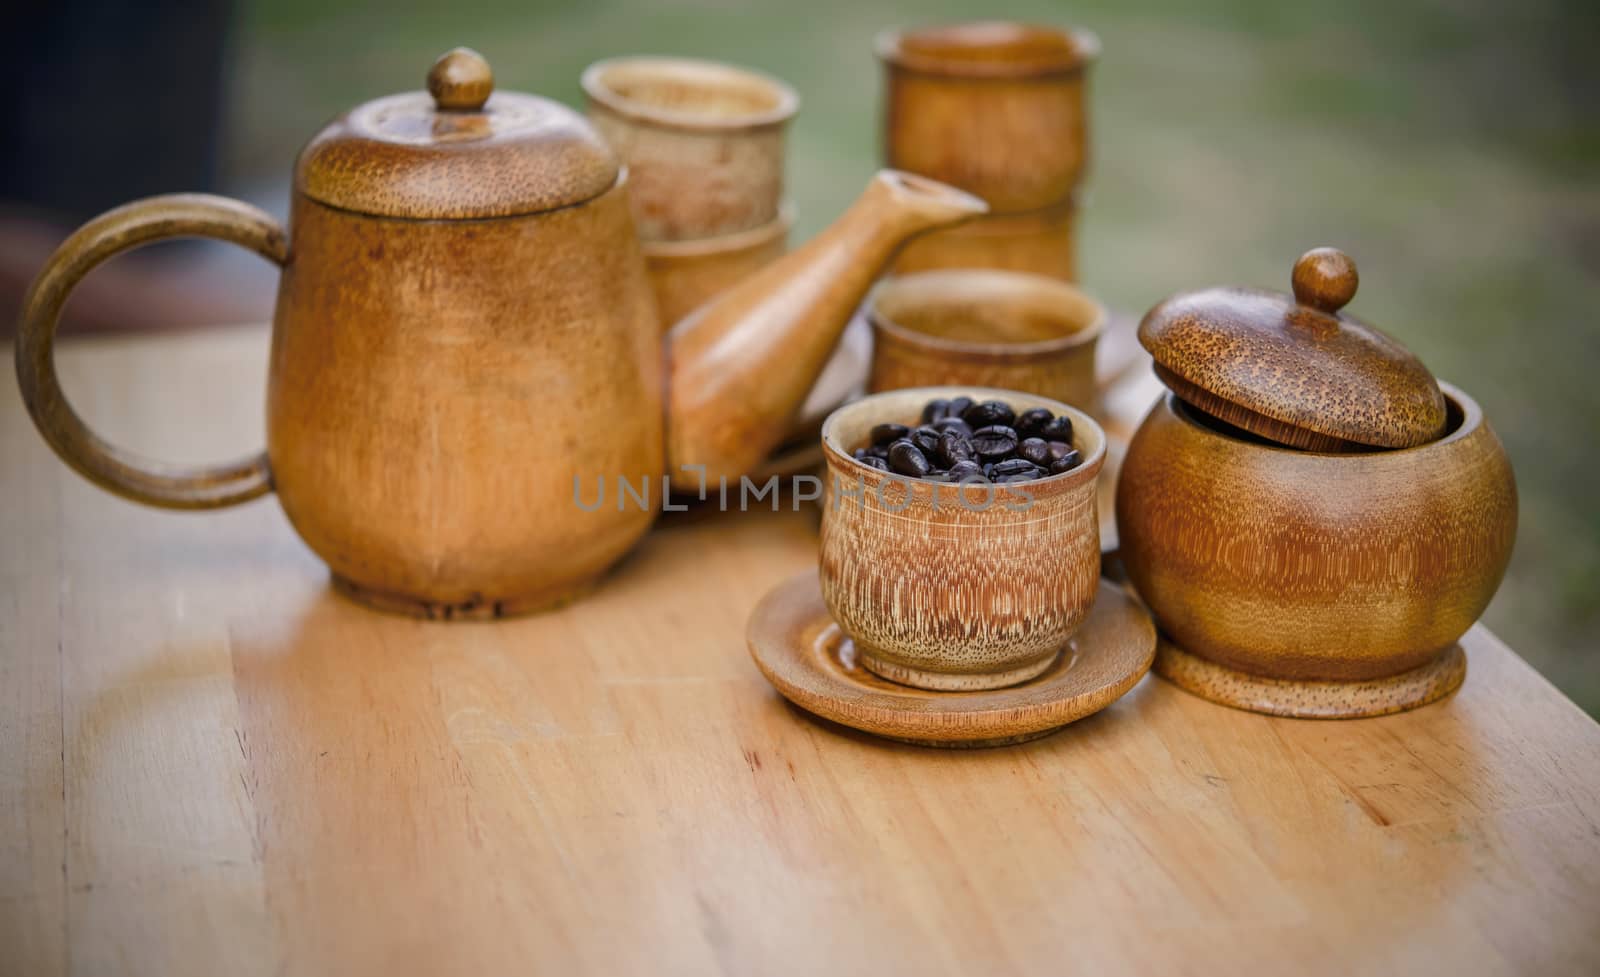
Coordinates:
[464,335]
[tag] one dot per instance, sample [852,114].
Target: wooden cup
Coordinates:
[1041,242]
[687,274]
[704,142]
[956,587]
[995,108]
[986,328]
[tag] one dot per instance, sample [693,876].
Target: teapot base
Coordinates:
[1311,699]
[477,608]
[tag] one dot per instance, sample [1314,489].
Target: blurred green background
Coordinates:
[1452,147]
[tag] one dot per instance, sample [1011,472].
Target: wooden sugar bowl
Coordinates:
[471,410]
[1313,519]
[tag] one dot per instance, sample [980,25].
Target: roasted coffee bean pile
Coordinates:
[962,440]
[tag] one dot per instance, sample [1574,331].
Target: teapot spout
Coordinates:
[917,202]
[740,367]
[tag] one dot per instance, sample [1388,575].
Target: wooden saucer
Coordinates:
[1301,699]
[812,663]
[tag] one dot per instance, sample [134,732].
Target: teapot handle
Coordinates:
[122,229]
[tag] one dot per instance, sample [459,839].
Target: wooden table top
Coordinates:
[212,764]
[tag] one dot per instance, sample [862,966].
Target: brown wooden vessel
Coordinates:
[957,587]
[815,665]
[687,274]
[993,107]
[989,329]
[1039,242]
[703,142]
[1311,583]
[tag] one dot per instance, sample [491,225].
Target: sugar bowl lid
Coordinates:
[456,151]
[1295,370]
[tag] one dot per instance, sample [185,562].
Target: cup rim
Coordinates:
[892,49]
[704,247]
[966,281]
[1471,420]
[599,92]
[1087,471]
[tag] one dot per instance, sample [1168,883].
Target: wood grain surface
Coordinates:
[806,656]
[946,586]
[1299,372]
[1297,565]
[687,274]
[419,436]
[1039,242]
[456,151]
[210,763]
[703,142]
[986,328]
[995,108]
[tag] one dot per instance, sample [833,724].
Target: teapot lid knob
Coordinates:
[1325,279]
[460,81]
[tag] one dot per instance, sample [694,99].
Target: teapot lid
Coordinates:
[1295,370]
[458,150]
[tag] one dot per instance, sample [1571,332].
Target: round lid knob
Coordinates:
[1325,278]
[460,81]
[1299,372]
[459,150]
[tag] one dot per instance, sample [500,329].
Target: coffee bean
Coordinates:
[945,447]
[953,448]
[885,433]
[1066,462]
[1036,450]
[1013,467]
[1059,429]
[989,413]
[1031,421]
[963,470]
[926,438]
[995,441]
[907,460]
[872,461]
